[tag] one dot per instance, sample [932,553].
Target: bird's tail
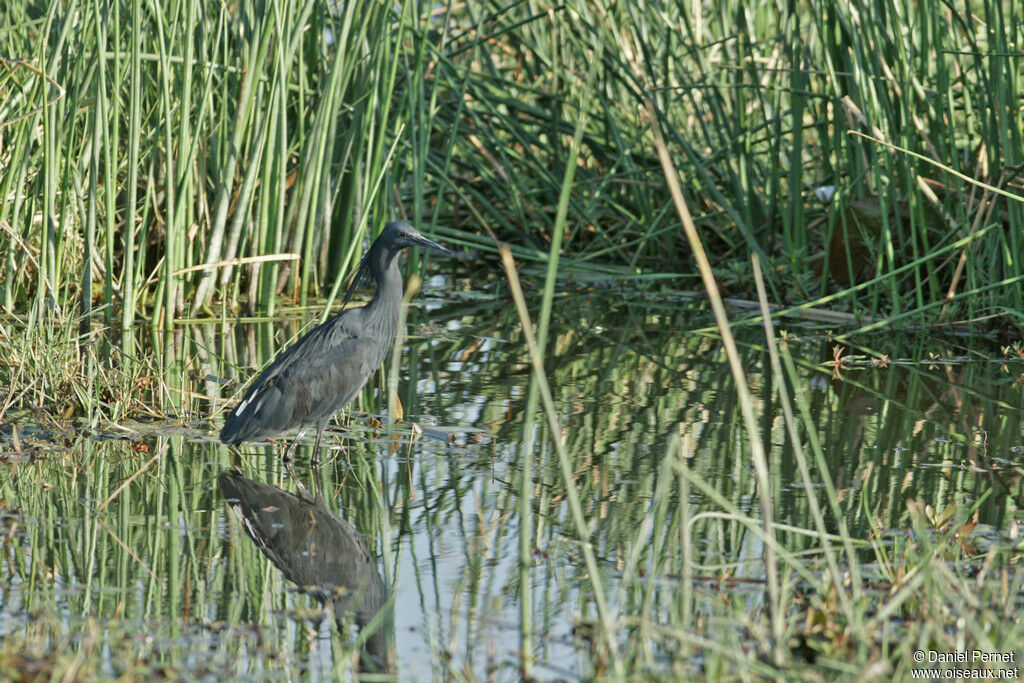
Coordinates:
[264,411]
[237,428]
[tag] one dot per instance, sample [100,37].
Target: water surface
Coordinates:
[120,549]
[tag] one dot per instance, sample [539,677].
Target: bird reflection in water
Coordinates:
[320,552]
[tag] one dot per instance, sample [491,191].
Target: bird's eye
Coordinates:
[402,234]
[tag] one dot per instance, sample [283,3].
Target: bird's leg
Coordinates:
[288,464]
[315,461]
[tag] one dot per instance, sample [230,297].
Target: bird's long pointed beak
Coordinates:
[424,242]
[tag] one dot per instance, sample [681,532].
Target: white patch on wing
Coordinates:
[243,405]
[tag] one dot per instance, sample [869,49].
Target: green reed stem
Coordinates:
[798,452]
[757,454]
[572,496]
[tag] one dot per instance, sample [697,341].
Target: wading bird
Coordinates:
[319,374]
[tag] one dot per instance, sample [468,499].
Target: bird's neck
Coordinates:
[385,271]
[388,297]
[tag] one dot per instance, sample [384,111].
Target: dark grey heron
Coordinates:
[319,551]
[318,375]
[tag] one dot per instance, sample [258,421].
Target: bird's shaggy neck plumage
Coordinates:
[382,267]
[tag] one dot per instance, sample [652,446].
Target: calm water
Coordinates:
[120,548]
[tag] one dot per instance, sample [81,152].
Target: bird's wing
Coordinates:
[318,341]
[320,386]
[309,382]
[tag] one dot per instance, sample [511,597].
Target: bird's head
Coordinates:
[396,236]
[400,234]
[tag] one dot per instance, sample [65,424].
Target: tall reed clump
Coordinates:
[195,152]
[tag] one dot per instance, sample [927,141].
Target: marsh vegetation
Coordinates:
[593,467]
